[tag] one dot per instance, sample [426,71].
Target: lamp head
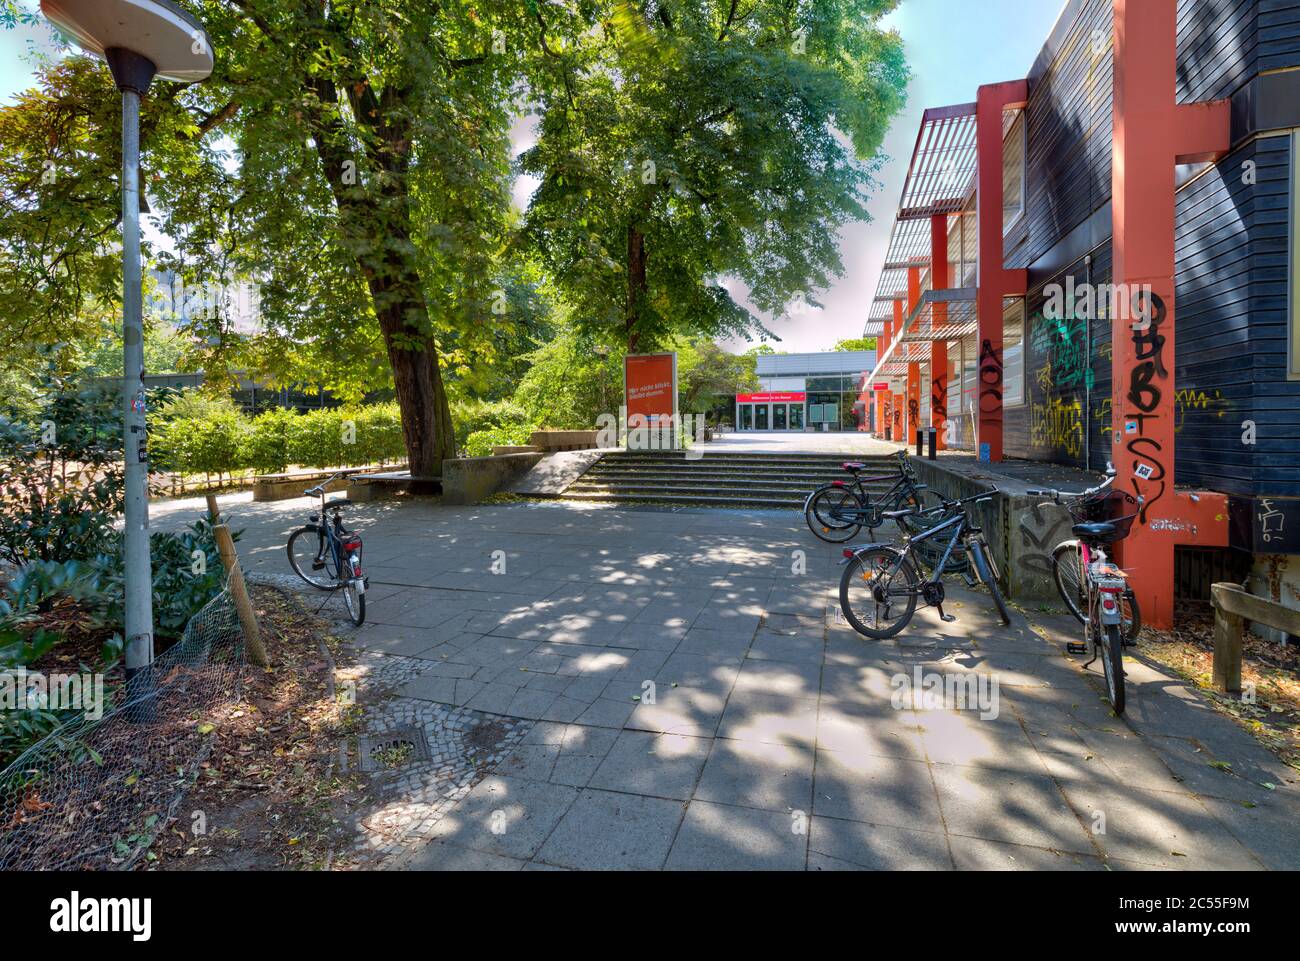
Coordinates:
[140,39]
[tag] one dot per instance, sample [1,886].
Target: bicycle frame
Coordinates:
[901,483]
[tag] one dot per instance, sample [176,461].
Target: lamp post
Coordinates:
[140,40]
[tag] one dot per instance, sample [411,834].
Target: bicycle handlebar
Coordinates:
[319,489]
[1056,495]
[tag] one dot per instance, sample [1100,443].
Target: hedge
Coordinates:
[270,442]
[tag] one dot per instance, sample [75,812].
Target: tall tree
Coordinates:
[353,156]
[685,143]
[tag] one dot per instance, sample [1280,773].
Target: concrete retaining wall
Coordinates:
[549,440]
[1020,529]
[468,480]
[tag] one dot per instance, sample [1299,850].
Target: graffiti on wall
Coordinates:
[1146,386]
[1057,423]
[1189,400]
[1041,529]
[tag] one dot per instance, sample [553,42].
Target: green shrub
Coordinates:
[266,443]
[472,417]
[481,442]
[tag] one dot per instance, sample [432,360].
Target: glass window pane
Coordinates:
[1013,356]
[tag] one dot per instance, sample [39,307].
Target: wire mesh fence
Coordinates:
[94,793]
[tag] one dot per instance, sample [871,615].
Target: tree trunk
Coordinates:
[375,226]
[636,285]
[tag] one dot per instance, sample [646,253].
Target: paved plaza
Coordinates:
[682,695]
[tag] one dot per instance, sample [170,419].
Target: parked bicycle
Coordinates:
[838,511]
[881,584]
[327,555]
[1104,586]
[1070,558]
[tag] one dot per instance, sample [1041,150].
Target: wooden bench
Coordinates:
[368,487]
[1232,608]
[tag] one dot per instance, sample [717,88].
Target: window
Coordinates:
[1013,354]
[1013,174]
[1293,366]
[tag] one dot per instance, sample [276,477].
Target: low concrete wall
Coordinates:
[549,440]
[524,449]
[468,480]
[280,487]
[1022,530]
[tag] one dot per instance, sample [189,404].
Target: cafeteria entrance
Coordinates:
[771,411]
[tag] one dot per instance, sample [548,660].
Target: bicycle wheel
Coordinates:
[354,598]
[311,559]
[1066,571]
[1112,662]
[1131,617]
[831,515]
[984,569]
[878,592]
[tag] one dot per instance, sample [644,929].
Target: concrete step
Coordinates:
[662,498]
[705,481]
[720,490]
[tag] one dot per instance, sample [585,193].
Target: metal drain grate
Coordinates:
[387,750]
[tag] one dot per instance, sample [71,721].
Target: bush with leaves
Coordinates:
[61,478]
[481,442]
[473,416]
[266,442]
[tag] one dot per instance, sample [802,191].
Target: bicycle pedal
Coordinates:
[946,618]
[1072,648]
[318,565]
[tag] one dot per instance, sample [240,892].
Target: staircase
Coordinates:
[757,480]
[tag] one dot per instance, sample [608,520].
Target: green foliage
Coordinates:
[182,581]
[60,475]
[684,143]
[266,444]
[569,384]
[475,416]
[708,378]
[481,442]
[857,343]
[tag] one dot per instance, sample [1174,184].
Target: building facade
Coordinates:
[1100,263]
[806,392]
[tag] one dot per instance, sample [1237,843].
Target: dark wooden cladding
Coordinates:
[1232,247]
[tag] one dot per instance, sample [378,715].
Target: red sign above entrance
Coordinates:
[884,386]
[771,398]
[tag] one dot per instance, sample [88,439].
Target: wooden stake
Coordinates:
[214,513]
[244,606]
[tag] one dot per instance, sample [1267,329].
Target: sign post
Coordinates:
[650,399]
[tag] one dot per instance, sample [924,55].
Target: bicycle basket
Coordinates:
[931,551]
[1112,507]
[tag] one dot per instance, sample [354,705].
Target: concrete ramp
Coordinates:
[552,475]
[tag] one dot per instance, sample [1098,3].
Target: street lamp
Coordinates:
[140,40]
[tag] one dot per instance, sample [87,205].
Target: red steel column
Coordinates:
[995,281]
[1152,133]
[912,412]
[939,348]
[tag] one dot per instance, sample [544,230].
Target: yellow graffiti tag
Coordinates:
[1057,424]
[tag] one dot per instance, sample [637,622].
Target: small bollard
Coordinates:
[932,442]
[920,442]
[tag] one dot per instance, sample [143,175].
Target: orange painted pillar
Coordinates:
[1153,133]
[939,348]
[912,412]
[995,281]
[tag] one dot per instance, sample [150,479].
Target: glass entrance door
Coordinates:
[796,416]
[746,417]
[760,416]
[779,416]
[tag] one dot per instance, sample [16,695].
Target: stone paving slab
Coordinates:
[680,700]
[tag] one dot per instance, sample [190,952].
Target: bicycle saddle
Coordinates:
[337,502]
[1099,532]
[853,467]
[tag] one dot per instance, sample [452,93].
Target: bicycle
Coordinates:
[1104,589]
[327,555]
[837,512]
[887,577]
[1070,558]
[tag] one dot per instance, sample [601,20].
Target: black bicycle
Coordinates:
[880,584]
[838,511]
[327,555]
